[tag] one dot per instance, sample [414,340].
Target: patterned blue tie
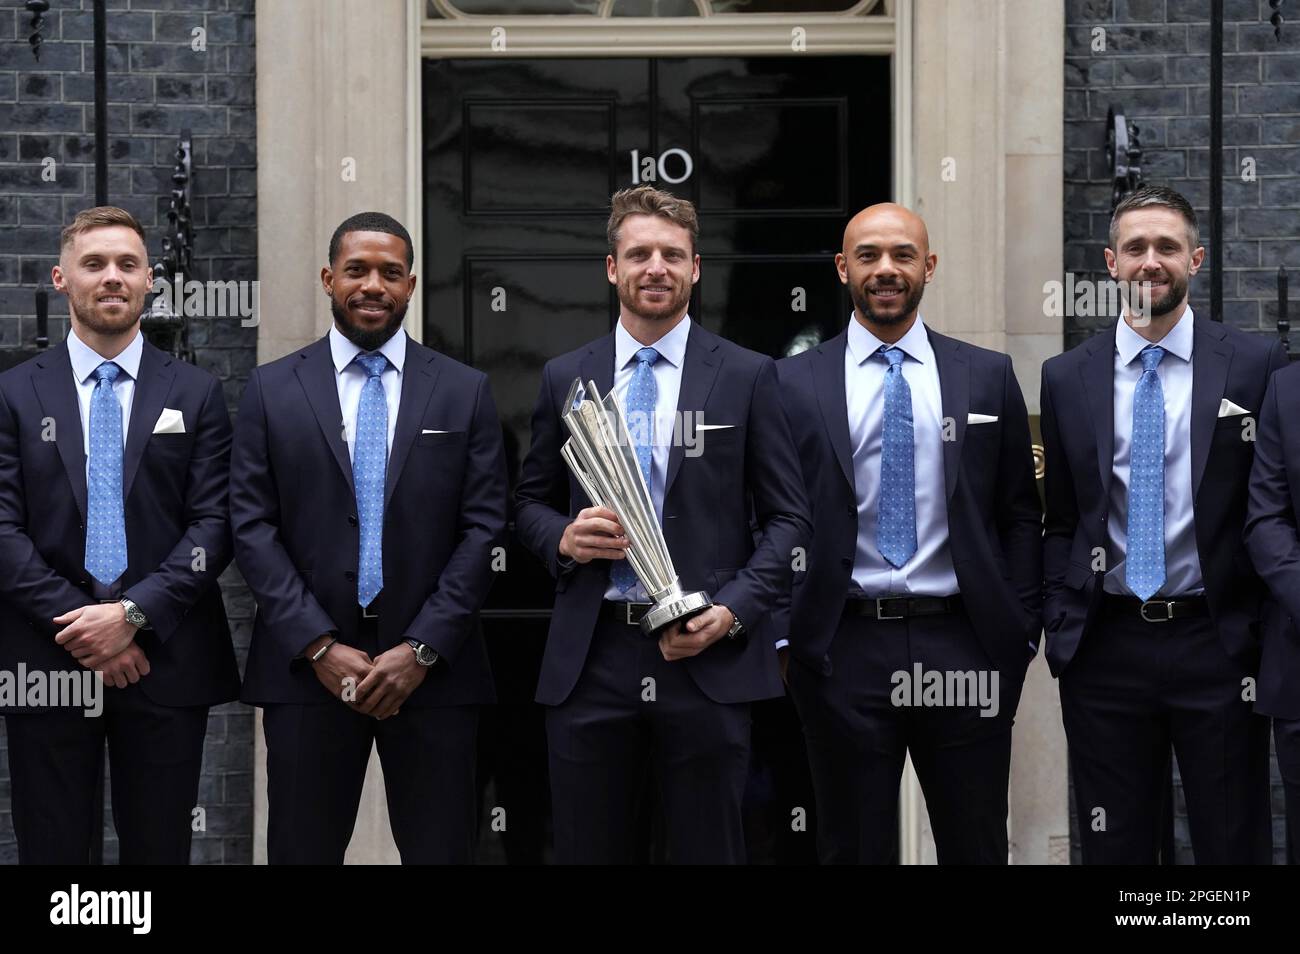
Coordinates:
[106,523]
[369,471]
[1144,569]
[896,531]
[642,394]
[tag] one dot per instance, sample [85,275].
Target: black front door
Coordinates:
[520,159]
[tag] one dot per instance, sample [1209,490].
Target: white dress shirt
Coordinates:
[84,362]
[351,377]
[929,572]
[1182,559]
[668,384]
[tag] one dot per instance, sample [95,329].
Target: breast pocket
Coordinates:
[440,439]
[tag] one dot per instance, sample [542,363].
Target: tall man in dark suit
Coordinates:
[924,562]
[368,489]
[113,466]
[1151,605]
[1274,546]
[617,699]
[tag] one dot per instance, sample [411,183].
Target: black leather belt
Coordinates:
[617,611]
[1157,610]
[901,607]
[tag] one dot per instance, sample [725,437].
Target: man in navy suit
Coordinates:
[113,466]
[1151,606]
[368,491]
[924,564]
[733,513]
[1274,546]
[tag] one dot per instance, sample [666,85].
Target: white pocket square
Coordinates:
[713,427]
[427,431]
[170,421]
[1227,408]
[974,418]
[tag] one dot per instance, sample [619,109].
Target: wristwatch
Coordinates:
[134,615]
[423,654]
[736,627]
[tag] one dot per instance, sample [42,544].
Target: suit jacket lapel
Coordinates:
[151,390]
[419,375]
[1098,377]
[597,365]
[700,369]
[828,381]
[57,393]
[1211,356]
[954,387]
[316,373]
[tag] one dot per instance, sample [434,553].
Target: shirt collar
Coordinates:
[862,344]
[1177,341]
[671,347]
[85,359]
[344,352]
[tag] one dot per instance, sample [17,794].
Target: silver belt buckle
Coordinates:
[368,613]
[880,607]
[1169,611]
[627,614]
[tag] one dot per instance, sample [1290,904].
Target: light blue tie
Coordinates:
[1144,567]
[896,531]
[642,394]
[369,471]
[106,522]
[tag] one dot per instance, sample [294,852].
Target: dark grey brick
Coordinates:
[243,122]
[178,27]
[1089,10]
[121,88]
[28,178]
[179,89]
[40,209]
[172,119]
[174,58]
[1282,253]
[1280,192]
[39,87]
[1269,223]
[230,28]
[56,57]
[8,86]
[1143,101]
[8,147]
[1284,68]
[1139,70]
[244,182]
[1196,131]
[1134,11]
[230,151]
[231,88]
[1278,98]
[1260,36]
[41,117]
[240,59]
[1198,11]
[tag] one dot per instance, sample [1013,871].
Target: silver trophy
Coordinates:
[602,456]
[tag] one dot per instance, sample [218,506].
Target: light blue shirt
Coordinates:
[1182,559]
[350,377]
[84,362]
[929,572]
[668,384]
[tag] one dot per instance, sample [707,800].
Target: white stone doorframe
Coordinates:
[977,81]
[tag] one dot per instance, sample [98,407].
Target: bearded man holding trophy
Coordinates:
[663,493]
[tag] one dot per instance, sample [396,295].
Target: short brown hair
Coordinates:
[1161,197]
[647,200]
[101,216]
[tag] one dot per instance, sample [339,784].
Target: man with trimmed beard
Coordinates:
[368,488]
[616,700]
[925,558]
[114,462]
[1151,605]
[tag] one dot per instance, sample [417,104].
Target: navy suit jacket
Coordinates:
[177,537]
[297,538]
[994,516]
[732,514]
[1271,539]
[1078,408]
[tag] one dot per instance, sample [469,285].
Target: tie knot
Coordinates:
[892,354]
[107,371]
[647,356]
[1151,357]
[373,362]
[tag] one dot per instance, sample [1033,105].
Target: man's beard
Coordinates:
[101,324]
[670,309]
[367,339]
[1169,301]
[862,301]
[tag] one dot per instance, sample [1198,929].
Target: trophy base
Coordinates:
[673,607]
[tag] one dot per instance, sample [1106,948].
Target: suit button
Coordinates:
[349,576]
[852,510]
[352,520]
[846,562]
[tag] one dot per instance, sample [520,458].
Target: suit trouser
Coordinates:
[316,758]
[155,754]
[862,721]
[1286,740]
[1133,689]
[604,739]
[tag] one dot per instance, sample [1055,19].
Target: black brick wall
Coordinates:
[157,85]
[1156,69]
